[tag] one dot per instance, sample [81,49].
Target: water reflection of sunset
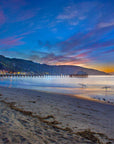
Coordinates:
[97,87]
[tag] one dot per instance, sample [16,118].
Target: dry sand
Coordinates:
[35,117]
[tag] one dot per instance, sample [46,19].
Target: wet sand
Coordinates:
[28,116]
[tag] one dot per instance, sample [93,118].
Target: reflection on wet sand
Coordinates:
[94,87]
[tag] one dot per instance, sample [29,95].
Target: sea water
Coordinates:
[95,87]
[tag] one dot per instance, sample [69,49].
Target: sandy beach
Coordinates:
[35,117]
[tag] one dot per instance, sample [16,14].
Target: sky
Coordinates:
[59,32]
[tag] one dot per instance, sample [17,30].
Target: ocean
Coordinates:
[97,87]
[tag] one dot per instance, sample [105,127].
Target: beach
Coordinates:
[31,116]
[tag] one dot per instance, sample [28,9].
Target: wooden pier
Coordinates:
[28,75]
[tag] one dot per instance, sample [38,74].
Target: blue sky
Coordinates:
[59,32]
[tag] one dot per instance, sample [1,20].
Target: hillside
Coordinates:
[15,65]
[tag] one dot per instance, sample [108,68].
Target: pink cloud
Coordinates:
[83,54]
[10,41]
[52,59]
[102,44]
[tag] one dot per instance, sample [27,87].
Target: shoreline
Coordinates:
[64,94]
[67,111]
[100,90]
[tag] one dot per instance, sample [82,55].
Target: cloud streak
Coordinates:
[51,59]
[68,13]
[10,42]
[106,24]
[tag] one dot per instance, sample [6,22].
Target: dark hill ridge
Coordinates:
[20,65]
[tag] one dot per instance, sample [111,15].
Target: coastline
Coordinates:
[68,111]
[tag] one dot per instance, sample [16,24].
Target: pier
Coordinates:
[28,75]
